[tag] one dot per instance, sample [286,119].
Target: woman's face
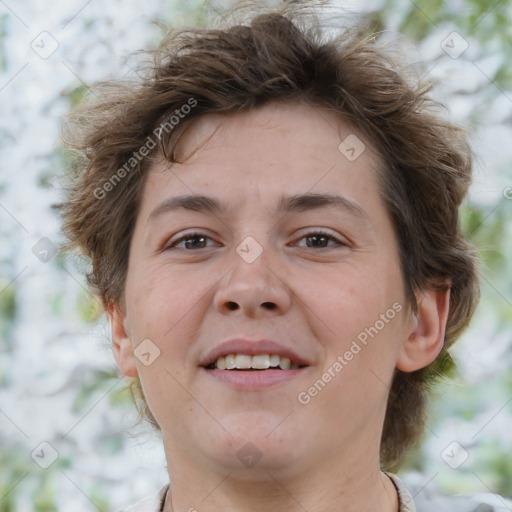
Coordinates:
[298,250]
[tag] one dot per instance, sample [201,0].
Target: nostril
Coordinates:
[233,305]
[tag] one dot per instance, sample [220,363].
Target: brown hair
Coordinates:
[283,55]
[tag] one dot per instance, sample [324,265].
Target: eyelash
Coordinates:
[188,236]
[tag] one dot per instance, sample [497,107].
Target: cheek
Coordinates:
[156,301]
[361,306]
[163,313]
[349,299]
[166,311]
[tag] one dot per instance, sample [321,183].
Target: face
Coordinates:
[299,251]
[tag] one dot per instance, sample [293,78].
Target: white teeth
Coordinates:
[230,362]
[274,360]
[243,362]
[285,363]
[259,362]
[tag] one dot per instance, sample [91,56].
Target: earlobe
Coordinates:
[121,342]
[426,338]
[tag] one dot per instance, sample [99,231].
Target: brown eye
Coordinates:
[191,241]
[321,239]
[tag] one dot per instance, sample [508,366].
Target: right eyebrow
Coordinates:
[196,203]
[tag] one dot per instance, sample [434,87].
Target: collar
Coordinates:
[405,501]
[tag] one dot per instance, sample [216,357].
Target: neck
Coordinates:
[322,489]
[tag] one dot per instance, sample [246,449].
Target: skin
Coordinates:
[313,297]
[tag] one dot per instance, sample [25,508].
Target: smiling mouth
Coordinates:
[257,363]
[212,367]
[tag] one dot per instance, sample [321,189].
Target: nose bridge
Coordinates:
[254,283]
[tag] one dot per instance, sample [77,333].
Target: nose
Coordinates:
[256,288]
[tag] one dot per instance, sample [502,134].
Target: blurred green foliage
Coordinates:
[7,314]
[487,226]
[488,21]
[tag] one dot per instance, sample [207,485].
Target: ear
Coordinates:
[426,339]
[121,343]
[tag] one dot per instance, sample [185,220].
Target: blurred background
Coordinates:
[69,437]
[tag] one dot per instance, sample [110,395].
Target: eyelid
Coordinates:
[183,236]
[338,239]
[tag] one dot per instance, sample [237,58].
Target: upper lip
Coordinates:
[252,348]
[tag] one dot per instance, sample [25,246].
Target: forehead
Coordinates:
[277,148]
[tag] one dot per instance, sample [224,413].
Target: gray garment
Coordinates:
[150,504]
[405,501]
[416,497]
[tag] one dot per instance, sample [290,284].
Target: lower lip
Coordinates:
[254,379]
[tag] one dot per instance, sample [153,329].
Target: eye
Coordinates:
[319,239]
[314,239]
[190,241]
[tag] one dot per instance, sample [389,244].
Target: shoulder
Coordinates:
[427,498]
[150,504]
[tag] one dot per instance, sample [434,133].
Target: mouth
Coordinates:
[253,373]
[253,363]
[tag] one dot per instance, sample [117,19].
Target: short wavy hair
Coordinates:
[283,54]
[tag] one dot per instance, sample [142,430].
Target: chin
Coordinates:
[257,441]
[253,461]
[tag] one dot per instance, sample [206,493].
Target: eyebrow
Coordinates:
[286,204]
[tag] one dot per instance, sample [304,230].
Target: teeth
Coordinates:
[243,362]
[285,363]
[259,362]
[274,360]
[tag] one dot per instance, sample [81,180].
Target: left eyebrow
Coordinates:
[304,202]
[286,204]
